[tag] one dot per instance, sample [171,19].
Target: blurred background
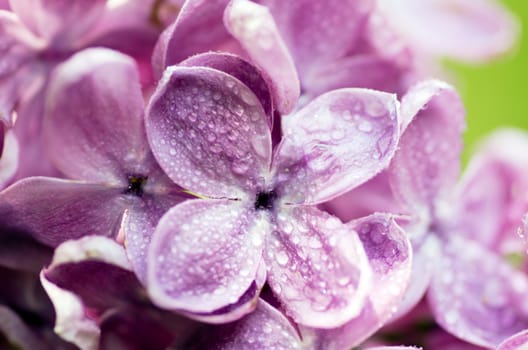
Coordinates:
[495,93]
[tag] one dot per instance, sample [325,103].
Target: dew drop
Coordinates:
[282,258]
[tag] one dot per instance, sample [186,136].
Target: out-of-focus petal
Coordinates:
[389,252]
[60,22]
[264,328]
[93,127]
[337,142]
[427,164]
[209,132]
[240,69]
[477,296]
[139,222]
[204,255]
[17,334]
[198,28]
[472,31]
[518,341]
[254,27]
[15,248]
[54,210]
[71,323]
[317,267]
[319,32]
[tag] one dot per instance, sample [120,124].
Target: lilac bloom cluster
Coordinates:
[236,174]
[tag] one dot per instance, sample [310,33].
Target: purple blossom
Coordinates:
[257,217]
[95,135]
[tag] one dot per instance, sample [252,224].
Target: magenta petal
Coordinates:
[317,267]
[204,255]
[337,142]
[54,210]
[477,296]
[59,22]
[518,341]
[254,27]
[427,164]
[240,69]
[198,28]
[209,132]
[93,127]
[389,252]
[482,28]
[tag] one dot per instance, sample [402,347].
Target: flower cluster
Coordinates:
[238,174]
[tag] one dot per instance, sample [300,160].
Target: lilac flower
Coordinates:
[95,135]
[473,291]
[39,35]
[257,216]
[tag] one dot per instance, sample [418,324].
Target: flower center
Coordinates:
[136,184]
[265,200]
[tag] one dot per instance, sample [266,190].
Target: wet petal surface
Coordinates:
[204,255]
[337,142]
[317,267]
[209,132]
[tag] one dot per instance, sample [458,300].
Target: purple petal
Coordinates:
[337,142]
[54,210]
[319,32]
[254,27]
[483,29]
[198,28]
[518,341]
[265,328]
[389,252]
[93,129]
[317,267]
[477,296]
[209,132]
[139,222]
[427,164]
[204,255]
[240,69]
[96,270]
[59,22]
[71,323]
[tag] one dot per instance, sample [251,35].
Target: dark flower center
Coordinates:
[265,200]
[136,184]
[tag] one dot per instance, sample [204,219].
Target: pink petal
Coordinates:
[255,29]
[337,142]
[54,210]
[427,164]
[389,252]
[518,341]
[317,267]
[198,28]
[240,69]
[472,31]
[477,296]
[209,132]
[319,32]
[93,127]
[202,256]
[60,22]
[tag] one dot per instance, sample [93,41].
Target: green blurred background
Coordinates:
[494,93]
